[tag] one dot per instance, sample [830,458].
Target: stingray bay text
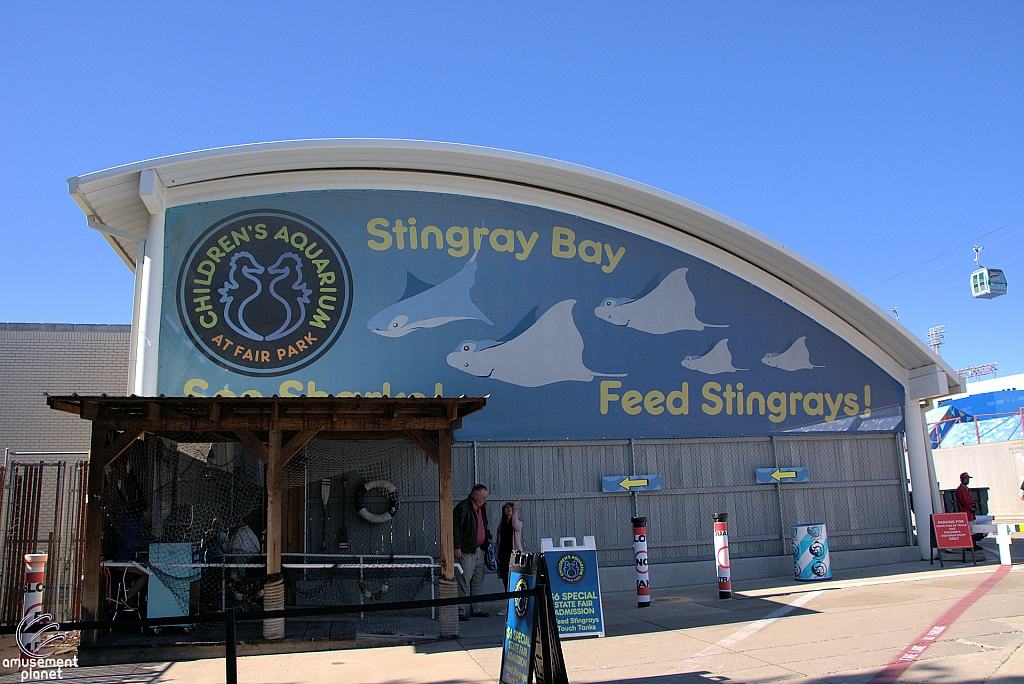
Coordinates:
[461,240]
[735,400]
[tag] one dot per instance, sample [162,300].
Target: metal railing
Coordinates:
[936,434]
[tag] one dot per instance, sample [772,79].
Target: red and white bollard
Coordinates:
[722,555]
[643,580]
[35,572]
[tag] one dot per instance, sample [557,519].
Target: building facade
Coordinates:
[616,330]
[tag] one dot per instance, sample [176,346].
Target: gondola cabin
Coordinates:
[988,283]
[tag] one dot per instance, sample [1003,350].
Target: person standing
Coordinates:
[509,539]
[471,535]
[965,502]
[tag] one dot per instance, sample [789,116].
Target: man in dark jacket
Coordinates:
[471,533]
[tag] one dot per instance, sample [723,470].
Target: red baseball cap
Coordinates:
[963,475]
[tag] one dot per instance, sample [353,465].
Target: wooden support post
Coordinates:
[444,485]
[93,542]
[274,500]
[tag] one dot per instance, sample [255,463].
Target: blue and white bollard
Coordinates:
[810,553]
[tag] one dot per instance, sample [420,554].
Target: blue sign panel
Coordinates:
[782,475]
[630,483]
[388,293]
[517,652]
[575,587]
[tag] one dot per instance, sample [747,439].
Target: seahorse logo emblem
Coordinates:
[265,292]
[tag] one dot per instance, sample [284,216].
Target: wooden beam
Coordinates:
[274,496]
[300,440]
[444,486]
[253,442]
[153,411]
[376,435]
[93,542]
[110,453]
[423,441]
[214,411]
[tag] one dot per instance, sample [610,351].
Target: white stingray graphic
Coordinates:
[718,360]
[533,354]
[793,359]
[660,308]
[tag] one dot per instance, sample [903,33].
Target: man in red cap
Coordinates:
[965,502]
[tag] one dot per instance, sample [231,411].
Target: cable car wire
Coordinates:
[958,282]
[925,263]
[948,263]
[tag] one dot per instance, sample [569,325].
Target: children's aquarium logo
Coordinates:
[265,292]
[571,568]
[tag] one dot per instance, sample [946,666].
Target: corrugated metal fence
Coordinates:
[857,488]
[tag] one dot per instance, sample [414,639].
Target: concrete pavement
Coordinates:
[844,631]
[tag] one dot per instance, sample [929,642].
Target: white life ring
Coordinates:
[390,491]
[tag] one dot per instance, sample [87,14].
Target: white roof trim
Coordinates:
[112,197]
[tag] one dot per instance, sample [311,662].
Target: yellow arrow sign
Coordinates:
[780,475]
[628,484]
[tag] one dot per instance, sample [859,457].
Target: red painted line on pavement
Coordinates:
[898,665]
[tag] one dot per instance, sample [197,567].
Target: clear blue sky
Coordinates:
[868,137]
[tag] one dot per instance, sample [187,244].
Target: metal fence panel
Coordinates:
[43,512]
[856,487]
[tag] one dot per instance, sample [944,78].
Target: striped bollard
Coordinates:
[35,572]
[722,555]
[643,580]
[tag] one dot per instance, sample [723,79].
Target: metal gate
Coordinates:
[42,510]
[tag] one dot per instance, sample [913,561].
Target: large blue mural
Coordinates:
[575,329]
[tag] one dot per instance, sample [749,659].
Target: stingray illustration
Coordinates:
[661,307]
[251,283]
[793,359]
[428,306]
[718,360]
[291,308]
[538,351]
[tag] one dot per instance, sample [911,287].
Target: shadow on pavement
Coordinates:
[684,608]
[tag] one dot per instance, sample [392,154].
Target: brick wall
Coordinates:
[36,358]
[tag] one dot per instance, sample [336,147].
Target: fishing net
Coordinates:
[371,528]
[360,526]
[184,510]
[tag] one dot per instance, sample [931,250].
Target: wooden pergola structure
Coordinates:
[275,429]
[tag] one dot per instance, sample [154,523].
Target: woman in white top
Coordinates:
[509,539]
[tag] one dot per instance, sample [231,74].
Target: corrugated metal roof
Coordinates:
[112,197]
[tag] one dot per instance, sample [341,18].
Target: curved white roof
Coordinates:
[112,200]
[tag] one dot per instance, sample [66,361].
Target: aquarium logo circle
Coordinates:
[521,603]
[571,568]
[264,292]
